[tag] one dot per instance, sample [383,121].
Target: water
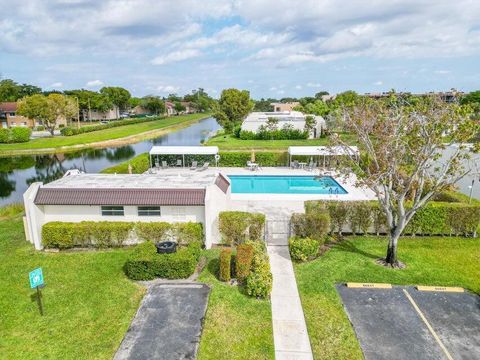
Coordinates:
[17,173]
[258,184]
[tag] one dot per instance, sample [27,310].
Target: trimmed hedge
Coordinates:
[15,135]
[225,264]
[240,158]
[145,264]
[102,234]
[302,249]
[315,225]
[243,261]
[236,227]
[70,130]
[259,281]
[436,218]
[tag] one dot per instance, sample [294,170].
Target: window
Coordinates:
[149,211]
[112,211]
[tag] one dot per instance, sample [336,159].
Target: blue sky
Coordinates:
[274,48]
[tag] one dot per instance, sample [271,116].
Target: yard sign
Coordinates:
[36,278]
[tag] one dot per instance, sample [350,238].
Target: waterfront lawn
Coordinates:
[103,135]
[88,301]
[430,261]
[139,165]
[230,142]
[236,325]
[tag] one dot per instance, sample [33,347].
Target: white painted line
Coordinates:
[435,336]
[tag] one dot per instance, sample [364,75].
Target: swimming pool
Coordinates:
[271,184]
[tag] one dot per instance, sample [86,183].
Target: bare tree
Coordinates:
[403,142]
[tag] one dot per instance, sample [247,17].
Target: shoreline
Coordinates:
[131,139]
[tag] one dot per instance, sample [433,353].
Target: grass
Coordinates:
[430,261]
[236,326]
[101,135]
[88,301]
[139,166]
[229,142]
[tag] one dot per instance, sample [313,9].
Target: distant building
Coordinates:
[170,108]
[289,106]
[296,119]
[97,115]
[447,96]
[140,110]
[9,117]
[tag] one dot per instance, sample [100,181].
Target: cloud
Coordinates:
[378,83]
[56,85]
[167,89]
[442,72]
[176,56]
[94,83]
[298,87]
[314,85]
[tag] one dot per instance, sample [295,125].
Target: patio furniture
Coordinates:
[164,164]
[302,165]
[179,162]
[295,164]
[157,164]
[311,166]
[204,167]
[252,166]
[194,165]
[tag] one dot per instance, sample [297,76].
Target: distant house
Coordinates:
[170,108]
[97,115]
[140,110]
[9,117]
[296,119]
[280,107]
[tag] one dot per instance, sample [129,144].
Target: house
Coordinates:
[170,108]
[9,117]
[98,115]
[295,119]
[140,110]
[280,107]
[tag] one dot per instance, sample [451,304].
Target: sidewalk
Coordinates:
[289,329]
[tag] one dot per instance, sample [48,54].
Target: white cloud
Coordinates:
[56,85]
[94,83]
[298,87]
[167,89]
[314,85]
[176,56]
[442,72]
[378,83]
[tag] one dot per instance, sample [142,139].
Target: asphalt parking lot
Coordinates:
[405,323]
[168,323]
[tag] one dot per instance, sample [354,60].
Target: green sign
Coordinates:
[36,278]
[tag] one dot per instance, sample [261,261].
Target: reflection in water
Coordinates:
[17,173]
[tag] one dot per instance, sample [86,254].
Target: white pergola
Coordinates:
[182,151]
[322,151]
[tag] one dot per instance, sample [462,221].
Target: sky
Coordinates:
[274,48]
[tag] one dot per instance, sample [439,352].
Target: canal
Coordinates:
[17,173]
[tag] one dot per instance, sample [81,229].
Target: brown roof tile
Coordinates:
[8,106]
[222,183]
[82,196]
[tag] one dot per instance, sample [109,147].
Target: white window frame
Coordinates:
[112,210]
[149,211]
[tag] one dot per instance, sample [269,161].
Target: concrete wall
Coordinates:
[215,202]
[34,216]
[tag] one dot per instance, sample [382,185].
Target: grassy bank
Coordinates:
[229,142]
[107,137]
[430,261]
[88,301]
[236,326]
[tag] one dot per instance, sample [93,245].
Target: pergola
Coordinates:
[322,152]
[182,151]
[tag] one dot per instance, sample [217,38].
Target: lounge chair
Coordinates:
[179,162]
[157,164]
[194,165]
[252,166]
[311,166]
[204,167]
[164,165]
[295,164]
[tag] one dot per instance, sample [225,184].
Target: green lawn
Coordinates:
[430,261]
[103,135]
[88,301]
[236,326]
[229,142]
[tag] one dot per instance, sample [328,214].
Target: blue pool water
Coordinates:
[262,184]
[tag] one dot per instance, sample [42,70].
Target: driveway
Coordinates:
[405,323]
[168,323]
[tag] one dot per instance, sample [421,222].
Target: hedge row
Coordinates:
[278,134]
[259,280]
[15,135]
[70,130]
[303,249]
[236,227]
[145,264]
[436,218]
[64,235]
[225,264]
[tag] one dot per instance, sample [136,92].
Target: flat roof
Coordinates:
[323,150]
[184,150]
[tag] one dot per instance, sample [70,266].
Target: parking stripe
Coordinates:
[435,336]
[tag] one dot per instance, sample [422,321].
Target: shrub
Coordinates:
[237,226]
[20,134]
[240,158]
[58,235]
[188,232]
[153,231]
[301,249]
[339,214]
[4,135]
[67,131]
[40,128]
[259,281]
[225,264]
[145,264]
[85,129]
[360,216]
[243,261]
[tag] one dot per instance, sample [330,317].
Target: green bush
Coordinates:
[20,134]
[4,135]
[243,261]
[40,128]
[240,158]
[188,232]
[145,264]
[315,225]
[225,264]
[153,231]
[259,281]
[69,131]
[58,235]
[360,216]
[236,227]
[302,249]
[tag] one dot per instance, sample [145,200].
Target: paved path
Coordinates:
[289,329]
[168,323]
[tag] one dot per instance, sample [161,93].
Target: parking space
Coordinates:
[405,323]
[168,323]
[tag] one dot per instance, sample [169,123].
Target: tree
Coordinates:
[179,107]
[472,99]
[319,94]
[401,146]
[48,109]
[28,90]
[90,100]
[9,90]
[134,102]
[153,104]
[233,106]
[310,123]
[271,124]
[118,96]
[264,105]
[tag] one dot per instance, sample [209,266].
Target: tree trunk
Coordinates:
[391,258]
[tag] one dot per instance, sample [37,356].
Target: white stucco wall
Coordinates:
[34,216]
[215,202]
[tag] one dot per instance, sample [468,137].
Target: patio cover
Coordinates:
[184,150]
[322,150]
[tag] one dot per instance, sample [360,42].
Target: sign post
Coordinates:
[36,282]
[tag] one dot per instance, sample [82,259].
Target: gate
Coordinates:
[277,231]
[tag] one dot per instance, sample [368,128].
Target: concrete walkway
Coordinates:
[289,329]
